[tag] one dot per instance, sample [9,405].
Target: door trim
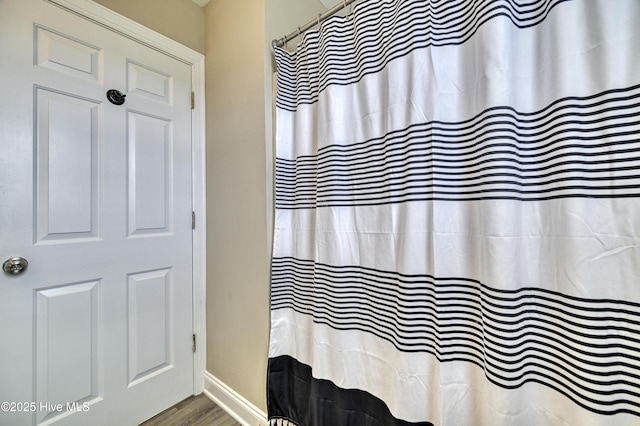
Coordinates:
[107,18]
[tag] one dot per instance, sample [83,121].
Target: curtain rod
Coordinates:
[279,42]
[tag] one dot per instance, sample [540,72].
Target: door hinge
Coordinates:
[193,100]
[194,343]
[193,220]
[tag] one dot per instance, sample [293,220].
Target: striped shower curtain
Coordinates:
[457,229]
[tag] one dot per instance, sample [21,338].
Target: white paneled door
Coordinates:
[97,330]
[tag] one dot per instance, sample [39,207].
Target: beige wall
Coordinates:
[239,183]
[237,262]
[180,20]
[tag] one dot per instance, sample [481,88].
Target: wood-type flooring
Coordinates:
[193,411]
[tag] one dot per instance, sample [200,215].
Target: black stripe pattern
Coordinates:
[587,350]
[574,147]
[349,48]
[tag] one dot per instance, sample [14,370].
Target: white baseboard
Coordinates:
[230,401]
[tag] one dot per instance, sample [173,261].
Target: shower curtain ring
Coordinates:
[319,14]
[298,31]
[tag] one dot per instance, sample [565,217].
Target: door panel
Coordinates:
[150,304]
[67,346]
[64,54]
[149,82]
[67,166]
[97,197]
[150,159]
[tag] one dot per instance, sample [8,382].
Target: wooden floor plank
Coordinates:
[193,411]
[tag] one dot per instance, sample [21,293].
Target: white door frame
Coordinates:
[128,28]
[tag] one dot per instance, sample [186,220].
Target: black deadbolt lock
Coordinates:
[116,97]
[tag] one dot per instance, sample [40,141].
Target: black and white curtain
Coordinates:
[457,229]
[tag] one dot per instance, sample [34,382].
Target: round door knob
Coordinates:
[15,265]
